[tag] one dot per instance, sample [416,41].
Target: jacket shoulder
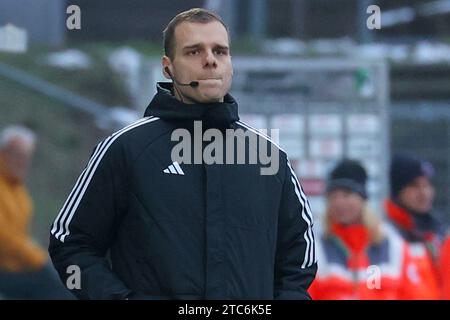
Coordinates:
[261,134]
[126,143]
[145,128]
[138,134]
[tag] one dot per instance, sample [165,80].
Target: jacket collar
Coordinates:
[399,216]
[218,114]
[423,227]
[354,240]
[355,236]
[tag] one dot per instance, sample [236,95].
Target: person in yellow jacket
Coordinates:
[24,269]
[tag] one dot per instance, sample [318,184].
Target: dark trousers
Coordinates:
[42,284]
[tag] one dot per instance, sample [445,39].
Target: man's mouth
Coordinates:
[212,78]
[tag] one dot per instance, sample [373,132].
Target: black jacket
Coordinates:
[139,226]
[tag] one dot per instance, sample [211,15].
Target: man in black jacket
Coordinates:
[139,224]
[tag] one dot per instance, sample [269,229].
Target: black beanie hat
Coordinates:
[350,175]
[405,169]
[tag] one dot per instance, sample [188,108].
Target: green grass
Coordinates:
[99,82]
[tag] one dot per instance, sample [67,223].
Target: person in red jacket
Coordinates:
[409,211]
[445,267]
[358,256]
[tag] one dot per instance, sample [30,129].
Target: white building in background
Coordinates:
[44,20]
[13,39]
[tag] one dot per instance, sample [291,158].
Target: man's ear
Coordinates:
[166,63]
[232,68]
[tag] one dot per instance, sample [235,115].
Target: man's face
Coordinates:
[17,155]
[201,54]
[345,206]
[418,196]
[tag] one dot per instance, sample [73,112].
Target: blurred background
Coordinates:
[310,67]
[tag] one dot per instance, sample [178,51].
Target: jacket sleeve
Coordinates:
[295,265]
[84,230]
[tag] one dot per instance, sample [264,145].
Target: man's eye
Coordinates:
[193,52]
[221,52]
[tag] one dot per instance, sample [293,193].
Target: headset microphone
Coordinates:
[192,84]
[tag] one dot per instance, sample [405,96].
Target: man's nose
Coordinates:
[210,59]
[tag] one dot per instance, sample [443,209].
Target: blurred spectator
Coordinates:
[410,211]
[358,256]
[24,269]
